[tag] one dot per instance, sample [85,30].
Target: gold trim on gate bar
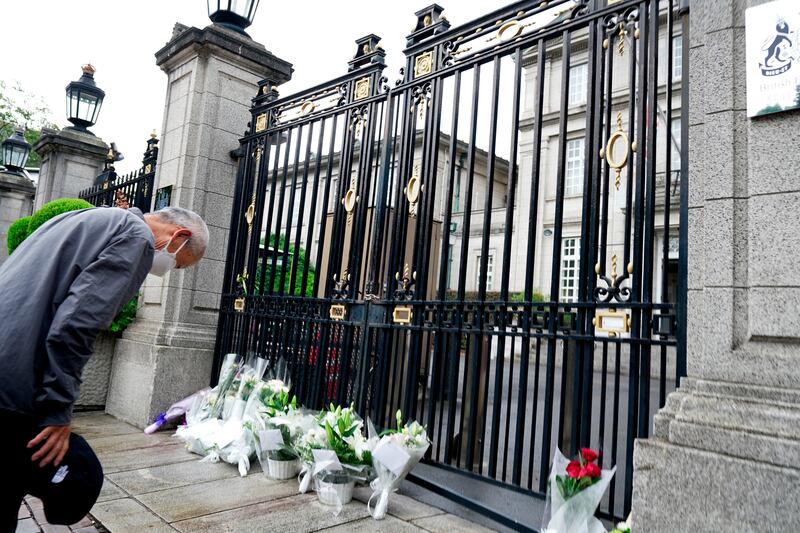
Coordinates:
[338,312]
[362,89]
[423,64]
[402,314]
[609,322]
[238,305]
[261,122]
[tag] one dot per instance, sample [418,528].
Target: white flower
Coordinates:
[277,386]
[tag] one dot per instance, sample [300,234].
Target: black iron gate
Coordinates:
[495,244]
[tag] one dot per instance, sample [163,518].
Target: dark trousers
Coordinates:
[21,476]
[17,431]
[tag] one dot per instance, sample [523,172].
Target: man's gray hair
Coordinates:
[190,220]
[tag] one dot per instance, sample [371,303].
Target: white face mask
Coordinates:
[164,261]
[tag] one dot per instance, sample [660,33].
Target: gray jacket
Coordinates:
[60,288]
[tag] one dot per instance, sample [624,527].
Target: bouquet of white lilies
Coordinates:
[396,454]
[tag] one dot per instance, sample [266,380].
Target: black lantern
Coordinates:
[84,99]
[235,15]
[15,152]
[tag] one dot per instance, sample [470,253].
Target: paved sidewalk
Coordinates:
[154,484]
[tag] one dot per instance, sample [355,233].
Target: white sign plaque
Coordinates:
[773,57]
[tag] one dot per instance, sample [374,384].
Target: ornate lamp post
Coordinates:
[235,15]
[15,151]
[84,99]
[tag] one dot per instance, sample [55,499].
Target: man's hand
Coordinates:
[56,444]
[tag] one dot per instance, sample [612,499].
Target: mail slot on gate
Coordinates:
[611,322]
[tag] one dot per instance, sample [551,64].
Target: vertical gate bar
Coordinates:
[649,229]
[432,356]
[533,219]
[486,337]
[279,214]
[534,413]
[487,221]
[683,224]
[324,209]
[453,351]
[227,280]
[636,312]
[335,257]
[556,266]
[270,214]
[290,214]
[633,122]
[301,209]
[615,426]
[582,421]
[462,279]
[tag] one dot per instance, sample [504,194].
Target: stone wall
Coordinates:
[97,372]
[16,201]
[725,452]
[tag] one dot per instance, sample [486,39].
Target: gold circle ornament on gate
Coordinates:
[413,189]
[509,30]
[611,159]
[349,200]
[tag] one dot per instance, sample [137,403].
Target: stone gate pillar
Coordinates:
[725,452]
[71,160]
[213,74]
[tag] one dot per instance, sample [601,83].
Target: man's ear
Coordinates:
[182,232]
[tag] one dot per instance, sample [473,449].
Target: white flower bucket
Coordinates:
[283,469]
[335,494]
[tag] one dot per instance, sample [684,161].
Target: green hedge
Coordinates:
[297,257]
[17,232]
[22,228]
[492,296]
[55,208]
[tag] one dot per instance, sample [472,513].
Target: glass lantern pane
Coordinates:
[96,111]
[252,10]
[19,155]
[6,154]
[213,6]
[238,7]
[88,102]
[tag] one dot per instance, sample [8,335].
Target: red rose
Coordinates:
[588,454]
[573,469]
[591,470]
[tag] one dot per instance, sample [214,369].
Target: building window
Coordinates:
[577,85]
[677,58]
[489,271]
[569,269]
[675,144]
[573,181]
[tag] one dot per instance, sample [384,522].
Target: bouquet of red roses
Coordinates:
[575,490]
[581,473]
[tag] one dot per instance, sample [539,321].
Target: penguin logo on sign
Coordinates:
[778,58]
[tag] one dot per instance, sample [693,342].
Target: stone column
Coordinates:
[725,451]
[213,74]
[16,201]
[71,160]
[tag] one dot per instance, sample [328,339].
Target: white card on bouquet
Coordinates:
[392,457]
[270,439]
[326,460]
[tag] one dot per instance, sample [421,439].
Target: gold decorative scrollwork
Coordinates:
[412,191]
[350,200]
[611,158]
[362,89]
[261,122]
[621,44]
[423,64]
[148,168]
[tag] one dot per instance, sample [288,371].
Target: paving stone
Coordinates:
[128,515]
[215,496]
[90,529]
[299,513]
[118,443]
[388,524]
[34,502]
[401,506]
[94,425]
[84,522]
[27,526]
[110,492]
[49,528]
[145,458]
[23,512]
[447,523]
[164,477]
